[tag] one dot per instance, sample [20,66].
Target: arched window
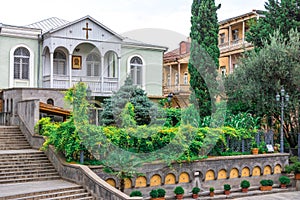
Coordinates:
[93,65]
[136,70]
[21,63]
[185,78]
[59,63]
[111,64]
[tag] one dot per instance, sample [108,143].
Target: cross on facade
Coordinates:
[87,29]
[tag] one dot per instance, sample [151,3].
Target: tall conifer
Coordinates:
[204,58]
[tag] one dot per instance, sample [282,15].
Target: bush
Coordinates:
[154,193]
[195,190]
[211,189]
[179,190]
[284,180]
[295,167]
[245,184]
[161,192]
[266,182]
[227,187]
[136,193]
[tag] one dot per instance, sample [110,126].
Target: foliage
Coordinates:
[284,180]
[195,190]
[153,193]
[245,184]
[262,148]
[279,15]
[144,109]
[211,189]
[172,117]
[295,167]
[136,193]
[161,192]
[204,57]
[227,187]
[254,145]
[179,190]
[259,77]
[266,182]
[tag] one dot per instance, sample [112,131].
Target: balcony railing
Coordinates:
[233,45]
[95,83]
[178,89]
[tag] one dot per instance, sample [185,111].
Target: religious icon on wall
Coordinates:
[76,62]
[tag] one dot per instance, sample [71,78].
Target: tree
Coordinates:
[253,86]
[143,107]
[204,57]
[281,15]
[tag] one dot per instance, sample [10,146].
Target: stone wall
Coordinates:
[211,172]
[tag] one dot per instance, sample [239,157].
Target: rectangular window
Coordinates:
[235,34]
[222,38]
[223,70]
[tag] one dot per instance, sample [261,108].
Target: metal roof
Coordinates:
[48,24]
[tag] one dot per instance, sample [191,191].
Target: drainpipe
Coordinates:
[39,60]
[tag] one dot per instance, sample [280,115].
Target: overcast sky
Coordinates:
[119,15]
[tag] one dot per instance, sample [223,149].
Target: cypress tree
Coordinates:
[204,57]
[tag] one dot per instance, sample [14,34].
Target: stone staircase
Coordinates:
[26,173]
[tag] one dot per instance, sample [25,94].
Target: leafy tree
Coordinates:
[261,74]
[281,15]
[143,107]
[204,57]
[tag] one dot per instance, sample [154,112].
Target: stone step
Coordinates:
[74,196]
[32,171]
[86,198]
[21,162]
[14,147]
[20,166]
[25,168]
[29,179]
[31,175]
[42,192]
[21,157]
[56,194]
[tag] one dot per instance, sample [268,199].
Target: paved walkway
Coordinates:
[277,196]
[29,187]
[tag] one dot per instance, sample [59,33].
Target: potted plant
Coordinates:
[262,148]
[266,185]
[276,148]
[195,192]
[179,191]
[161,193]
[136,193]
[245,185]
[295,167]
[211,191]
[153,194]
[227,189]
[254,148]
[284,180]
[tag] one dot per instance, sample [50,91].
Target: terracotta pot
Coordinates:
[297,176]
[211,194]
[226,192]
[283,186]
[265,188]
[255,151]
[245,190]
[195,196]
[179,196]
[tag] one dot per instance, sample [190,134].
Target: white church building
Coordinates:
[55,53]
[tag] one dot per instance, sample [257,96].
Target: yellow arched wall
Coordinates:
[256,171]
[277,169]
[184,177]
[141,181]
[245,172]
[155,180]
[210,175]
[234,173]
[222,174]
[128,183]
[170,179]
[267,170]
[111,182]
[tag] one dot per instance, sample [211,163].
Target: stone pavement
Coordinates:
[275,196]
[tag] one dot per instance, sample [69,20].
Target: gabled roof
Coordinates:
[48,24]
[175,55]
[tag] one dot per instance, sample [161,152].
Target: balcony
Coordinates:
[98,87]
[234,45]
[176,89]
